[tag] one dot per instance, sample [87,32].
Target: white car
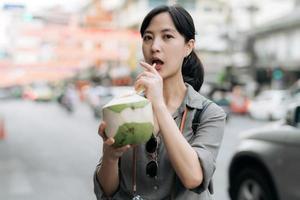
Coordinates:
[270,105]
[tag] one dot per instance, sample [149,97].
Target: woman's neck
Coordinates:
[174,93]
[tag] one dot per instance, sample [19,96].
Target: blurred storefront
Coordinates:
[55,44]
[103,46]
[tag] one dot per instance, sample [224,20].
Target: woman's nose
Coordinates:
[156,45]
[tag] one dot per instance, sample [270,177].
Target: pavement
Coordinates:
[49,153]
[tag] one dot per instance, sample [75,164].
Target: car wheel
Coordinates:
[252,184]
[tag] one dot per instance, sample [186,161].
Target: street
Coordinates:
[51,154]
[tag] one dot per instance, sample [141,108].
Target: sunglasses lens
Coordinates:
[151,145]
[151,169]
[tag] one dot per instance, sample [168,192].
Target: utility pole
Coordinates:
[252,9]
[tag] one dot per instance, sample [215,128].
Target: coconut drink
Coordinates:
[129,119]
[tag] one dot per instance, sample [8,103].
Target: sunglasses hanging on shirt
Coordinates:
[152,166]
[151,149]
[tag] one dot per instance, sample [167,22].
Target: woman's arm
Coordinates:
[108,176]
[183,157]
[108,171]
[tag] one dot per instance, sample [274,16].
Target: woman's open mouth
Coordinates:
[158,63]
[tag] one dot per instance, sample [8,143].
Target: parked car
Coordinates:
[270,105]
[5,94]
[266,163]
[38,92]
[12,92]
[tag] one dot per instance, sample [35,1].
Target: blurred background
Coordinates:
[60,61]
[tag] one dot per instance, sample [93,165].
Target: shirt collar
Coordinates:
[192,100]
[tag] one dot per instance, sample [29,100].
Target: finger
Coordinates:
[149,67]
[145,73]
[101,130]
[123,148]
[139,89]
[142,82]
[102,127]
[138,85]
[109,141]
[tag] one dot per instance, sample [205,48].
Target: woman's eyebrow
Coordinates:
[168,30]
[147,31]
[162,31]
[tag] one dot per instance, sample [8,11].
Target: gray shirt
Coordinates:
[205,141]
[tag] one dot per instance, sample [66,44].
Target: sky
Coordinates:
[268,10]
[35,5]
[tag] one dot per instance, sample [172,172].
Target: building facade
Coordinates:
[275,51]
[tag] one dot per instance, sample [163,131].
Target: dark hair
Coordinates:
[192,68]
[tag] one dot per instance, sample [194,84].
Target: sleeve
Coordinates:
[207,140]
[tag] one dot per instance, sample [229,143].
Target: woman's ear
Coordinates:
[189,47]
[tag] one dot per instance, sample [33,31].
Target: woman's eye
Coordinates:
[168,36]
[147,37]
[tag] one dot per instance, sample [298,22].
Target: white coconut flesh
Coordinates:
[129,119]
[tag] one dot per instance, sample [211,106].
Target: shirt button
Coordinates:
[155,187]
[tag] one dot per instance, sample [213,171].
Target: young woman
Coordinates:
[179,163]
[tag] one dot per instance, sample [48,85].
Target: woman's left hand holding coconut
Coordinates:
[110,153]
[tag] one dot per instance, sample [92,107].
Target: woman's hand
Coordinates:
[110,153]
[151,80]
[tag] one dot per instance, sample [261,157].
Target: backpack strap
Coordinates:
[198,114]
[196,119]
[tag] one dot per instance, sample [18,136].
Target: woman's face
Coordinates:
[165,46]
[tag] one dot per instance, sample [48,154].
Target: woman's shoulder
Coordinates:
[200,102]
[207,106]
